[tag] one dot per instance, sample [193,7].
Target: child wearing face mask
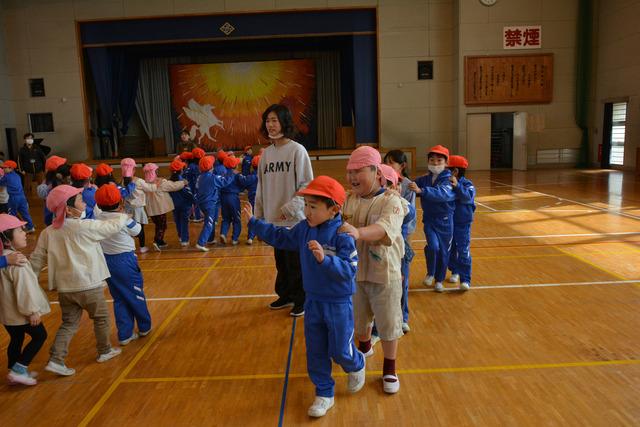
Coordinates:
[70,247]
[438,204]
[31,162]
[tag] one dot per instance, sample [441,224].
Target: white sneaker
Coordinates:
[202,248]
[464,286]
[390,386]
[223,239]
[59,369]
[24,379]
[439,287]
[428,280]
[405,327]
[144,250]
[115,351]
[369,353]
[234,242]
[454,278]
[184,244]
[320,406]
[157,247]
[374,340]
[356,379]
[133,337]
[249,241]
[145,333]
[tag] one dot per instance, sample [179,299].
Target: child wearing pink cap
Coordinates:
[70,247]
[374,218]
[22,304]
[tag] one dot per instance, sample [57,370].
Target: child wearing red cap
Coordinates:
[80,178]
[230,201]
[57,172]
[438,203]
[246,160]
[126,283]
[70,247]
[374,218]
[329,262]
[18,204]
[22,304]
[183,202]
[460,254]
[208,196]
[251,184]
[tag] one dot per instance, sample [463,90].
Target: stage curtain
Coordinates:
[153,100]
[329,107]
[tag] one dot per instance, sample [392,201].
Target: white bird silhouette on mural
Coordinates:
[204,119]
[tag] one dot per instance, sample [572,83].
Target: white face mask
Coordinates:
[436,170]
[29,141]
[278,136]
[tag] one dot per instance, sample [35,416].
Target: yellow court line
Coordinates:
[153,337]
[523,367]
[594,265]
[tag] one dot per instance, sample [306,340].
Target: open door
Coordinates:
[520,141]
[479,141]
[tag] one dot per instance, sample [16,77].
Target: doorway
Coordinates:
[613,135]
[501,140]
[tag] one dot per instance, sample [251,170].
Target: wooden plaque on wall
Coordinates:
[508,79]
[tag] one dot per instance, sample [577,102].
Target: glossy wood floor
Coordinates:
[548,335]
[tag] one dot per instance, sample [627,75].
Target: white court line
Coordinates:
[530,285]
[542,236]
[570,200]
[542,210]
[485,206]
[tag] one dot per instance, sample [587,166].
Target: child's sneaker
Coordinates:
[464,286]
[223,239]
[454,278]
[145,333]
[439,287]
[156,247]
[133,337]
[234,242]
[212,242]
[320,406]
[162,244]
[297,311]
[280,303]
[113,352]
[428,280]
[18,374]
[144,250]
[405,327]
[249,241]
[374,339]
[356,379]
[59,369]
[390,384]
[202,248]
[184,244]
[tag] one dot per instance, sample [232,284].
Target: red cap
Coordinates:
[255,161]
[80,171]
[103,169]
[206,163]
[248,147]
[231,162]
[439,149]
[53,163]
[177,165]
[10,164]
[458,162]
[325,186]
[221,155]
[186,155]
[198,153]
[108,195]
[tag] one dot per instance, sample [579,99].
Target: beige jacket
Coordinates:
[378,262]
[73,253]
[138,199]
[20,295]
[158,199]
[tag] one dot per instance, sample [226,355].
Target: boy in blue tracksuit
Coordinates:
[80,175]
[460,257]
[251,185]
[126,283]
[438,203]
[246,160]
[17,200]
[191,174]
[208,195]
[329,262]
[183,202]
[230,201]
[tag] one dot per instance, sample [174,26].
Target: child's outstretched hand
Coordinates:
[317,250]
[16,258]
[414,187]
[350,230]
[247,210]
[454,181]
[34,319]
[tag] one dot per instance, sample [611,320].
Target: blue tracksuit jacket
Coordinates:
[460,257]
[17,200]
[246,164]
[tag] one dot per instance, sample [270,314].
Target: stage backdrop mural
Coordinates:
[221,105]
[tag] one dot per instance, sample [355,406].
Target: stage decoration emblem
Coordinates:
[227,28]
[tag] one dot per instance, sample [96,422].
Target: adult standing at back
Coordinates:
[284,169]
[31,162]
[185,144]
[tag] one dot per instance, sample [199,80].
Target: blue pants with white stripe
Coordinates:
[460,257]
[126,288]
[231,215]
[181,218]
[328,332]
[439,233]
[208,233]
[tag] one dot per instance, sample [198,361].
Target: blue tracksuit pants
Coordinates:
[209,224]
[404,268]
[19,205]
[251,234]
[181,218]
[439,233]
[126,288]
[231,215]
[328,331]
[460,257]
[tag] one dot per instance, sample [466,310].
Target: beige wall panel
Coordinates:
[409,95]
[15,29]
[554,10]
[53,34]
[63,112]
[402,16]
[6,113]
[564,62]
[480,37]
[19,87]
[443,69]
[91,9]
[198,6]
[347,3]
[18,61]
[564,88]
[404,43]
[472,12]
[20,109]
[441,16]
[398,120]
[300,4]
[68,141]
[148,8]
[558,34]
[559,115]
[50,10]
[245,5]
[442,119]
[513,12]
[442,94]
[560,138]
[440,42]
[618,22]
[54,60]
[59,85]
[399,69]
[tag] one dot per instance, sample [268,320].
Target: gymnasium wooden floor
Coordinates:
[548,335]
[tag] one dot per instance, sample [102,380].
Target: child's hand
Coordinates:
[247,210]
[414,187]
[17,258]
[317,250]
[350,230]
[454,181]
[34,319]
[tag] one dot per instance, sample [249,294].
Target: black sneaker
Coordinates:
[297,311]
[280,303]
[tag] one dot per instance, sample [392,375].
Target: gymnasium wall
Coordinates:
[618,71]
[7,118]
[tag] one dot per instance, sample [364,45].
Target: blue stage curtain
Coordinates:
[365,89]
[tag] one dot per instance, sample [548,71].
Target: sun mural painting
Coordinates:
[221,105]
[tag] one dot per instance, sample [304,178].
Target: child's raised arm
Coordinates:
[282,238]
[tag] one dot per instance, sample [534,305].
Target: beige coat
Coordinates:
[20,295]
[158,199]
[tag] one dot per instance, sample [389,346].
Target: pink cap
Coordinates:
[364,156]
[389,174]
[57,202]
[127,165]
[150,172]
[9,222]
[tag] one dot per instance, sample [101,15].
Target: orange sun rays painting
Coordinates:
[221,105]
